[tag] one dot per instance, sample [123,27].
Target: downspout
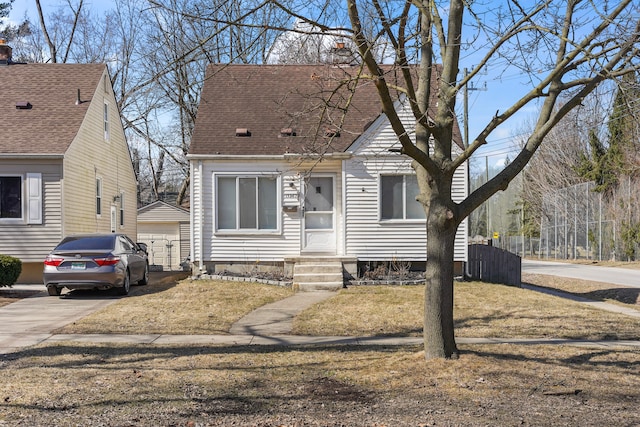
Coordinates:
[344,208]
[195,213]
[191,221]
[201,221]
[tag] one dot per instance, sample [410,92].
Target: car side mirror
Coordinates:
[143,247]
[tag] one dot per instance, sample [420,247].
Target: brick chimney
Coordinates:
[5,53]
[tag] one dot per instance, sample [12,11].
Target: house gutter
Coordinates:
[24,156]
[286,156]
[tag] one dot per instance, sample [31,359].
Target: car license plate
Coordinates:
[78,266]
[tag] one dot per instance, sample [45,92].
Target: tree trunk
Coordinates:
[438,332]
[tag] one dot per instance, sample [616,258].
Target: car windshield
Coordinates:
[92,242]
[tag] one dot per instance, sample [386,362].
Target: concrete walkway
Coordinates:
[277,318]
[31,321]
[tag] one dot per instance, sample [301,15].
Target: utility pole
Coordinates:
[466,107]
[465,124]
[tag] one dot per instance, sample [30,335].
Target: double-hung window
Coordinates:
[98,196]
[106,121]
[247,203]
[398,198]
[122,209]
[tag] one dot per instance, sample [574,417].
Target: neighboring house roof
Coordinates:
[160,210]
[50,121]
[266,100]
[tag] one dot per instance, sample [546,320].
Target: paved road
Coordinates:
[613,275]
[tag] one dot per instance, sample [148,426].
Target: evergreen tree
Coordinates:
[601,164]
[605,165]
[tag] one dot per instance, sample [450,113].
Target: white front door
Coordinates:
[319,235]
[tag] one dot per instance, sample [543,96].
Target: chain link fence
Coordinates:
[578,223]
[575,225]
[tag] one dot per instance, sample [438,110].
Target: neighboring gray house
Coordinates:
[281,176]
[165,230]
[65,166]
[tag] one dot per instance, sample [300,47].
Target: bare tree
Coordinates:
[168,47]
[156,55]
[572,47]
[563,50]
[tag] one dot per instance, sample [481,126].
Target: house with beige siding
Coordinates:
[294,167]
[65,166]
[164,228]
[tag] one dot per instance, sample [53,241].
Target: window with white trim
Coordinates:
[10,197]
[21,198]
[106,121]
[98,196]
[247,203]
[398,198]
[121,209]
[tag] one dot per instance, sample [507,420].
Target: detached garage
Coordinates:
[165,230]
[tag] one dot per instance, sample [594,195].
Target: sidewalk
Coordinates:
[31,321]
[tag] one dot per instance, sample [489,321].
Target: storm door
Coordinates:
[319,235]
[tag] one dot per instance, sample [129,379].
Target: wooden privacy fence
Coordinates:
[494,265]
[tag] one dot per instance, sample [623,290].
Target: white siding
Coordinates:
[164,224]
[360,233]
[32,242]
[368,238]
[285,242]
[246,246]
[163,243]
[162,212]
[184,240]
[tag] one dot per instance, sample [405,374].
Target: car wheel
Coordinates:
[124,289]
[54,291]
[145,277]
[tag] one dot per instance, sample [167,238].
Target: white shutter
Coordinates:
[34,198]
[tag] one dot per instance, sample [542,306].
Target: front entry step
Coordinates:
[317,275]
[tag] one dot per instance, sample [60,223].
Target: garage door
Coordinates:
[163,241]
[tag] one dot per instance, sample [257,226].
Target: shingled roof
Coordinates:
[278,109]
[38,108]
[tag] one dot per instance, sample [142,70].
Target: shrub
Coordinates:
[10,269]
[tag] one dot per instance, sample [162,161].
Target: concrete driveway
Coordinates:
[613,275]
[31,320]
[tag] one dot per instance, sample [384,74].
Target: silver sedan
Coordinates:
[96,261]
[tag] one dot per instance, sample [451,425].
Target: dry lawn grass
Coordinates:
[481,310]
[187,307]
[117,385]
[597,291]
[150,385]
